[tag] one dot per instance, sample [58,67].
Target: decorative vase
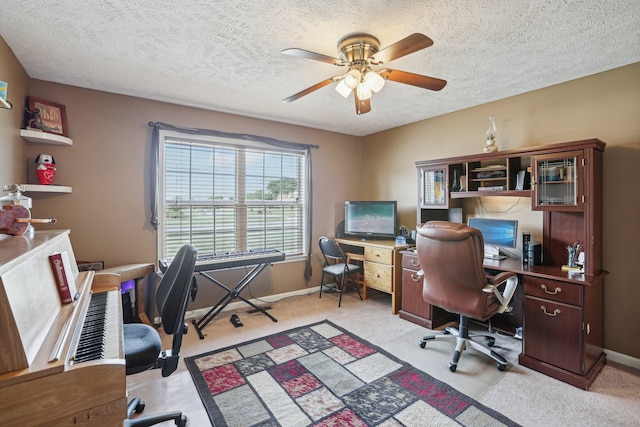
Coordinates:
[456,181]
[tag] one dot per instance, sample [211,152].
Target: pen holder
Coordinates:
[571,253]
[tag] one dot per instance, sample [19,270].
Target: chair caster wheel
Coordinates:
[423,344]
[490,342]
[501,367]
[452,366]
[182,422]
[140,407]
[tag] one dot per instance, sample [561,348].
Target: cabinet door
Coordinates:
[553,333]
[558,182]
[434,187]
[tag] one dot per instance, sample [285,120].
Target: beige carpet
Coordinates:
[475,373]
[523,395]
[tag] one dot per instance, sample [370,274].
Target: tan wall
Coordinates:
[604,106]
[108,168]
[12,147]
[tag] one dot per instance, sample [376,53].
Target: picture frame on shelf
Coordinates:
[46,116]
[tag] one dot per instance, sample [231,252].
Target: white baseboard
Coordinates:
[623,359]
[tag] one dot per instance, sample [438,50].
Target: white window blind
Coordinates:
[231,196]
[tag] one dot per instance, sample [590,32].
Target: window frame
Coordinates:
[165,136]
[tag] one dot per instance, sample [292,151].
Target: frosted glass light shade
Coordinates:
[351,79]
[342,89]
[363,91]
[374,81]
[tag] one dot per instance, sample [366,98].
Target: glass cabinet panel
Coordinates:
[558,182]
[434,187]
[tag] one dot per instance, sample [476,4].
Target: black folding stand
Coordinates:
[230,296]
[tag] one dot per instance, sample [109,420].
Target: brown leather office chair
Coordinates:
[451,257]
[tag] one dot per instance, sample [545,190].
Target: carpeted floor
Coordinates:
[523,395]
[323,375]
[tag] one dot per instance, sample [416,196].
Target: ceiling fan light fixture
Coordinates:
[363,92]
[374,81]
[343,89]
[351,79]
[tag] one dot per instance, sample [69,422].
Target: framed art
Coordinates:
[47,116]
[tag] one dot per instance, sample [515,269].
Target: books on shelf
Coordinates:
[492,188]
[63,275]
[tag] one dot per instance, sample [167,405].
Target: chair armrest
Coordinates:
[511,280]
[498,280]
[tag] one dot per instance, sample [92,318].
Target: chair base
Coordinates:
[462,338]
[137,405]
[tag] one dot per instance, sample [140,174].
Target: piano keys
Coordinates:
[43,381]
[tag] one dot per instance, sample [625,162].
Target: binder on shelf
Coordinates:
[63,275]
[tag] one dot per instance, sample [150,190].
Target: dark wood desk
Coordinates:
[561,315]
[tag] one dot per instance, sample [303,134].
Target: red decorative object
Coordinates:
[46,169]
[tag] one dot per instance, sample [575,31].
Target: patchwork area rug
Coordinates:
[322,375]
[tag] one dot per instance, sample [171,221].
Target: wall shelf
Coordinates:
[46,188]
[39,137]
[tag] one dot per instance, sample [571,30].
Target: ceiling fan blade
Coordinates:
[362,106]
[413,43]
[418,80]
[308,90]
[312,55]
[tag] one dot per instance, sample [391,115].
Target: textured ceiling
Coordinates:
[224,55]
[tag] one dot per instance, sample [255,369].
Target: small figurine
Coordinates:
[46,169]
[35,119]
[491,146]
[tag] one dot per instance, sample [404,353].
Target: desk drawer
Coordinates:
[553,290]
[378,276]
[382,256]
[412,262]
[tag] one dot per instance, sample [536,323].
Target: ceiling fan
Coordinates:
[360,53]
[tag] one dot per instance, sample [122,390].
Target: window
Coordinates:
[227,195]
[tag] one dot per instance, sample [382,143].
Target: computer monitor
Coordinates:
[371,219]
[496,233]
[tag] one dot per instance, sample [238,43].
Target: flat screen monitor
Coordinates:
[496,233]
[370,219]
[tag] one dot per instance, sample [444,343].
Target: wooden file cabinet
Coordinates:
[382,269]
[414,308]
[563,330]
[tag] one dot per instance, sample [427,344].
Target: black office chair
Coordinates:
[142,343]
[451,257]
[336,265]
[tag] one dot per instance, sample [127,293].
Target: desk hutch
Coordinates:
[561,313]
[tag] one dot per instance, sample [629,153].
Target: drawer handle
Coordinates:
[415,263]
[416,278]
[555,311]
[555,291]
